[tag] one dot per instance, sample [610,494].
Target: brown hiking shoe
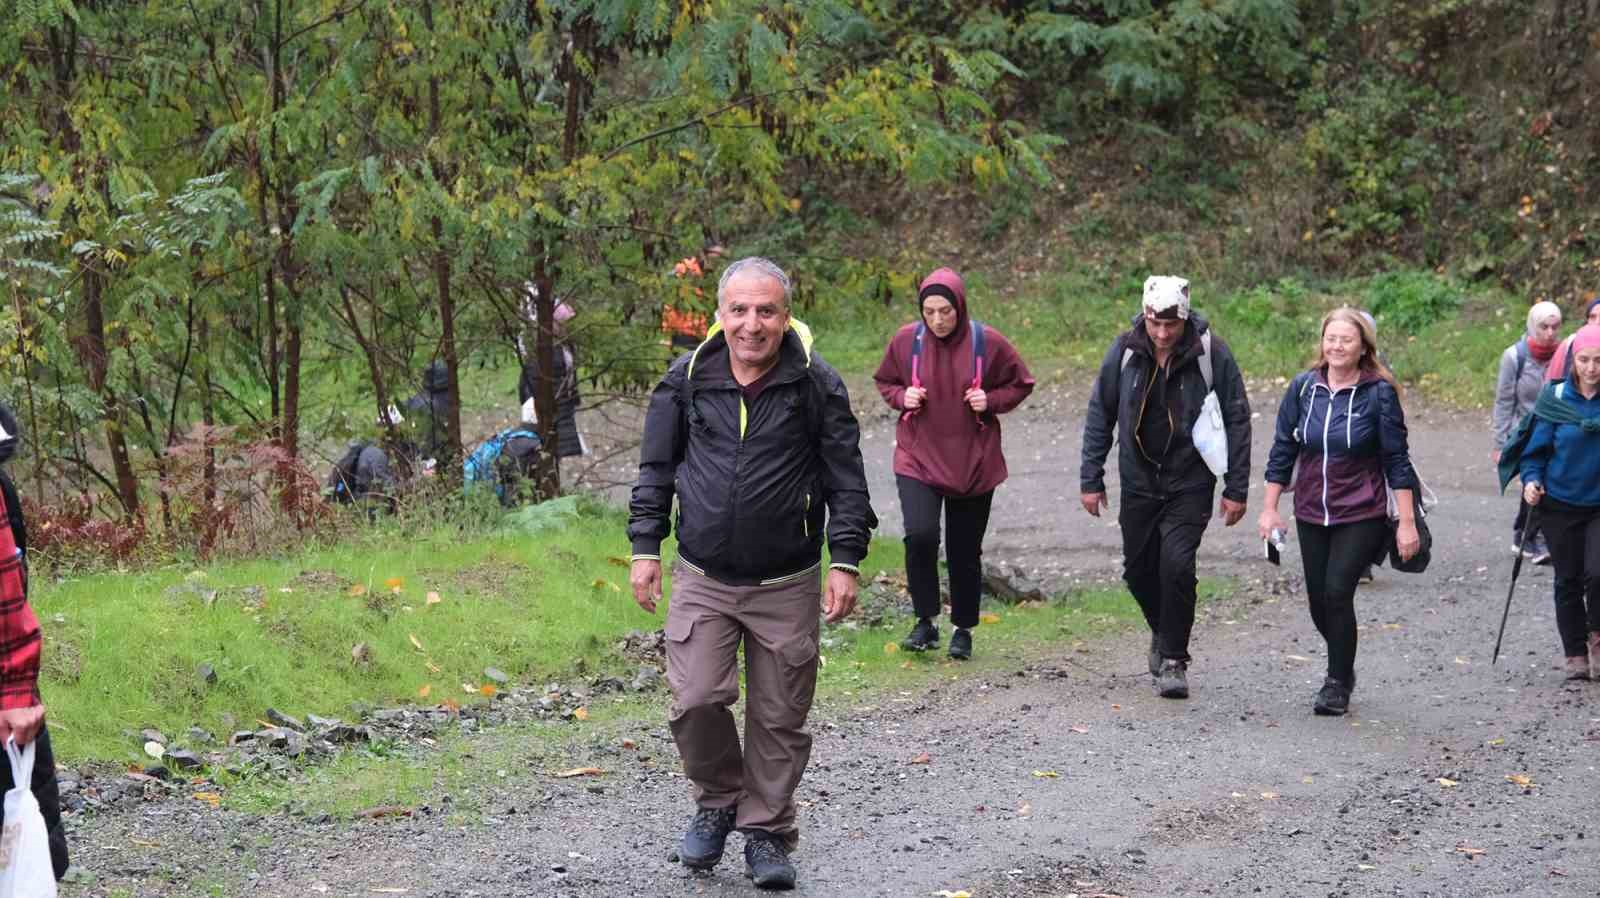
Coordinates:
[1578,667]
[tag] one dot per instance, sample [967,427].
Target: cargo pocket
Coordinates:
[678,631]
[800,669]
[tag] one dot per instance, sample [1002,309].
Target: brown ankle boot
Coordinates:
[1578,667]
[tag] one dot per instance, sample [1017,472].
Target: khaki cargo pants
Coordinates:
[778,623]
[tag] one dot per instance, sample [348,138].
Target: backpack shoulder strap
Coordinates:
[977,352]
[1205,359]
[1522,361]
[916,353]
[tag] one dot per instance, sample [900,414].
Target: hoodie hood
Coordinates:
[952,282]
[436,379]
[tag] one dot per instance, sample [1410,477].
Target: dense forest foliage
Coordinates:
[234,231]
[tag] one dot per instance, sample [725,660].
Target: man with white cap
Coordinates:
[1153,395]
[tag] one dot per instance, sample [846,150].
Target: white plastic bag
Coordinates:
[25,870]
[1210,437]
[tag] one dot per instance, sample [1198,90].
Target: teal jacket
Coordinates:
[1559,441]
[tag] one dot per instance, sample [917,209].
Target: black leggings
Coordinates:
[1335,557]
[1573,535]
[965,520]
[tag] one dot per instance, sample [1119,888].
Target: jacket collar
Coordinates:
[709,364]
[1188,347]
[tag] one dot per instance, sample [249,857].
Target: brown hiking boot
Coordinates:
[1578,667]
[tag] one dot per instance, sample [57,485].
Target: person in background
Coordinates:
[1341,439]
[950,378]
[1522,376]
[1557,370]
[22,714]
[1560,470]
[564,373]
[1148,395]
[428,420]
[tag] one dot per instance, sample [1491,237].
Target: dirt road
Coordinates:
[1067,776]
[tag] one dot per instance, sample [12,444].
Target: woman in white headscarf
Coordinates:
[1522,374]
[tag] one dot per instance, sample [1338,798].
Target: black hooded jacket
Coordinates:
[752,482]
[1118,396]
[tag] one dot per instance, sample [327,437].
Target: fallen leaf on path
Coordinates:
[385,810]
[1116,707]
[1297,657]
[922,758]
[1024,809]
[1082,731]
[905,665]
[1447,782]
[210,798]
[450,705]
[434,598]
[1497,741]
[1307,780]
[1046,774]
[946,893]
[357,591]
[425,691]
[1469,851]
[1391,626]
[580,713]
[1365,867]
[889,648]
[1269,796]
[415,642]
[1521,779]
[1556,872]
[629,744]
[989,618]
[1460,660]
[578,771]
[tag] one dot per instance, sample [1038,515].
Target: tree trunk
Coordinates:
[441,276]
[92,353]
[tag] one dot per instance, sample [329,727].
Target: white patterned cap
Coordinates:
[1166,297]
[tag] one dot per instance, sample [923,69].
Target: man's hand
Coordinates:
[23,724]
[978,399]
[645,576]
[1094,502]
[1232,512]
[839,595]
[913,398]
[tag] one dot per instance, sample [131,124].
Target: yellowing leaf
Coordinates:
[580,713]
[922,758]
[432,668]
[1521,779]
[889,648]
[357,590]
[425,691]
[1447,783]
[578,771]
[946,893]
[989,618]
[486,690]
[415,642]
[433,598]
[1046,774]
[619,562]
[450,705]
[210,798]
[395,582]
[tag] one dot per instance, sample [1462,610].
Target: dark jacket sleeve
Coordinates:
[1285,451]
[1393,446]
[665,435]
[1235,402]
[1007,380]
[1536,453]
[1100,424]
[844,476]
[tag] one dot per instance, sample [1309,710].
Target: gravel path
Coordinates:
[1061,776]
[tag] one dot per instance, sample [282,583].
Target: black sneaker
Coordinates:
[1155,654]
[1333,699]
[961,644]
[924,636]
[707,835]
[768,860]
[1172,680]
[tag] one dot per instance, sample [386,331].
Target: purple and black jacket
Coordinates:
[1341,449]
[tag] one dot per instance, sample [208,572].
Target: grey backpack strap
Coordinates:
[1205,359]
[1127,356]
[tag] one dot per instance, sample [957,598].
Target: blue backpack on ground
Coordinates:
[502,460]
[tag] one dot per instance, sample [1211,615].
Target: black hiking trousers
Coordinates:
[966,518]
[1573,534]
[1335,557]
[1159,540]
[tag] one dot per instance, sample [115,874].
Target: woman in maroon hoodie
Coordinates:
[950,377]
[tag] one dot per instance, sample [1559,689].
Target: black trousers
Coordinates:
[965,520]
[1159,540]
[1335,558]
[1573,534]
[47,792]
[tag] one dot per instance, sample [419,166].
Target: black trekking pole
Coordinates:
[1516,568]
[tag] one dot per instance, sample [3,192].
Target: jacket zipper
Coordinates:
[805,517]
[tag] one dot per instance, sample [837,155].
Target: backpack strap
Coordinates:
[1205,359]
[977,353]
[1522,361]
[916,354]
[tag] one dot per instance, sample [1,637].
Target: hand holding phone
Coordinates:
[1272,546]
